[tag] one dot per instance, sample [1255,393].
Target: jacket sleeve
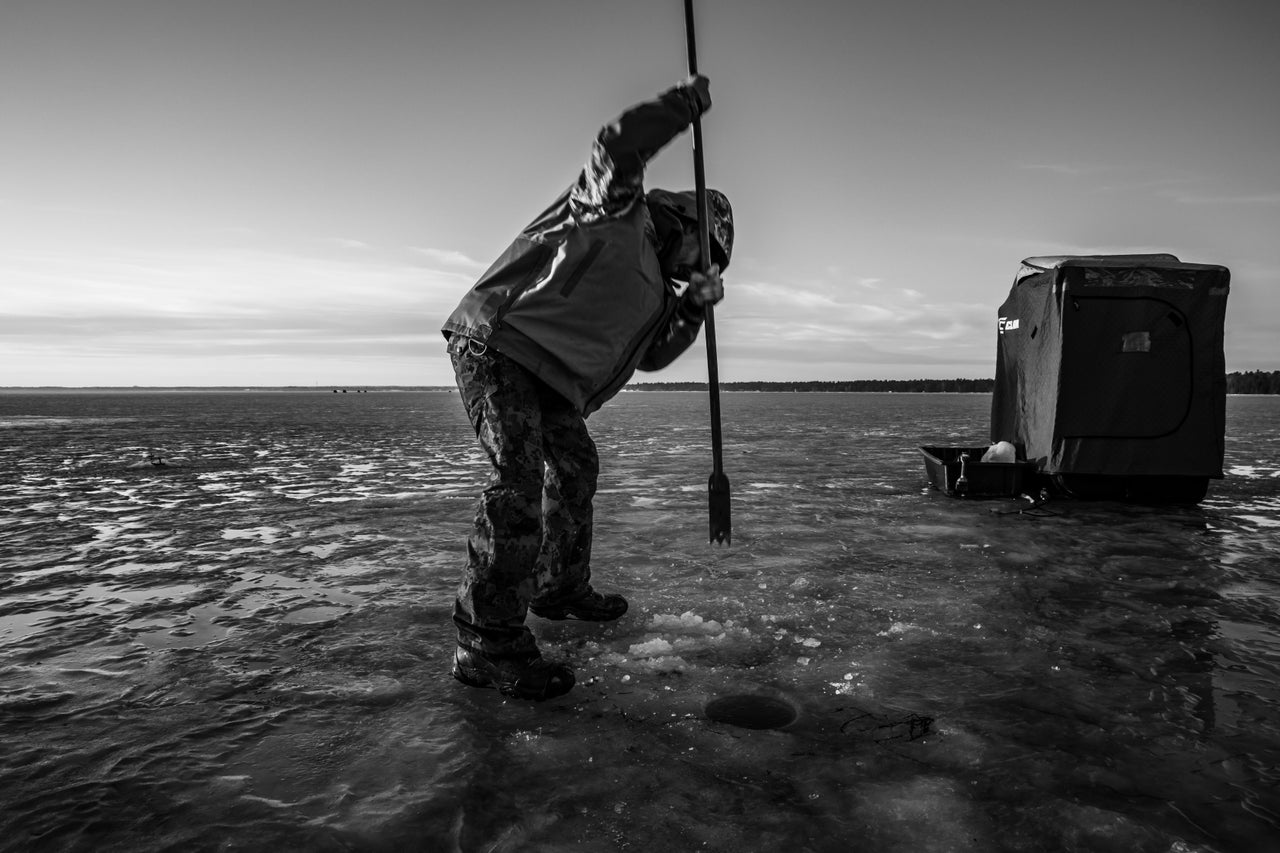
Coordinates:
[674,338]
[614,175]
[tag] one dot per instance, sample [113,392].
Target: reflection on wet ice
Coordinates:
[255,646]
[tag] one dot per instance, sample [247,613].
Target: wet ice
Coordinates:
[253,648]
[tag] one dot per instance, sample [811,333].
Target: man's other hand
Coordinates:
[706,289]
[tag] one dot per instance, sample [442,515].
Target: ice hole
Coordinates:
[751,712]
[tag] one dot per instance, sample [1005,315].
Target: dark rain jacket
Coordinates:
[579,297]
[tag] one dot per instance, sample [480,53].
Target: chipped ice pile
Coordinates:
[671,639]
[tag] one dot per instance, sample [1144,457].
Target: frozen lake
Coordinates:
[250,649]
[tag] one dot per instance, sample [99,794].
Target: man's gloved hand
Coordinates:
[706,289]
[700,86]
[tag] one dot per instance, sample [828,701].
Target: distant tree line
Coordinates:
[1254,382]
[902,386]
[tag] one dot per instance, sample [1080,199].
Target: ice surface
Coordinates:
[255,648]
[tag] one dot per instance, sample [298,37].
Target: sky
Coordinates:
[297,192]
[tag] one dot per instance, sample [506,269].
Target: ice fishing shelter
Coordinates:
[1110,374]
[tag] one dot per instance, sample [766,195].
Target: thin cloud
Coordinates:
[1069,169]
[1119,178]
[868,321]
[1263,199]
[448,257]
[1160,184]
[770,297]
[152,300]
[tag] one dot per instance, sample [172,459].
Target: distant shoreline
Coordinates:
[853,387]
[213,389]
[1250,382]
[882,386]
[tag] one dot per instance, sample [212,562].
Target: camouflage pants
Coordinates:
[532,535]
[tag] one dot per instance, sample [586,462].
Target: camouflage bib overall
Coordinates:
[532,535]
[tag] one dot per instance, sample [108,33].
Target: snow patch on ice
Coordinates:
[1252,472]
[687,622]
[263,533]
[670,636]
[651,649]
[899,629]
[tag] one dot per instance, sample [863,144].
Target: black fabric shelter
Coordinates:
[1110,370]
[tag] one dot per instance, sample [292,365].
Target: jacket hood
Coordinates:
[685,206]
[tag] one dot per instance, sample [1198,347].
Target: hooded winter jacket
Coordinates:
[579,298]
